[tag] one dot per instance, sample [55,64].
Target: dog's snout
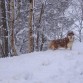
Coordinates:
[71,37]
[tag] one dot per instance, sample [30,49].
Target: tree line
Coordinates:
[28,25]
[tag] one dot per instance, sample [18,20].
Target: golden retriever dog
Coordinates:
[65,42]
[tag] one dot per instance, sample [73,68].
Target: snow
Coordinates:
[58,66]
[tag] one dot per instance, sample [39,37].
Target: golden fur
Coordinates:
[65,42]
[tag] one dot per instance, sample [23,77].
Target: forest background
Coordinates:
[28,25]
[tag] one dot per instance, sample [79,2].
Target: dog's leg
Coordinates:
[71,48]
[66,46]
[69,45]
[52,47]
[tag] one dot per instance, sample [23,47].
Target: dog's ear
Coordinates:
[30,1]
[70,33]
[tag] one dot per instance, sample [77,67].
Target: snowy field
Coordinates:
[59,66]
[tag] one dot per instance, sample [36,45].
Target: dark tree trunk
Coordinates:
[30,27]
[5,31]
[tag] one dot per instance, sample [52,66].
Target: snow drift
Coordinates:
[59,66]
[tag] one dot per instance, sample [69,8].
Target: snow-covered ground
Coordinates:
[59,66]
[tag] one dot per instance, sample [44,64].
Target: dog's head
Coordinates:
[70,36]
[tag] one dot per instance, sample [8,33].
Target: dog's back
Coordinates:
[58,43]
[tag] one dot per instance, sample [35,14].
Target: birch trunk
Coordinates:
[14,53]
[38,33]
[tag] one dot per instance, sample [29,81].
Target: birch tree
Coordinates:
[12,20]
